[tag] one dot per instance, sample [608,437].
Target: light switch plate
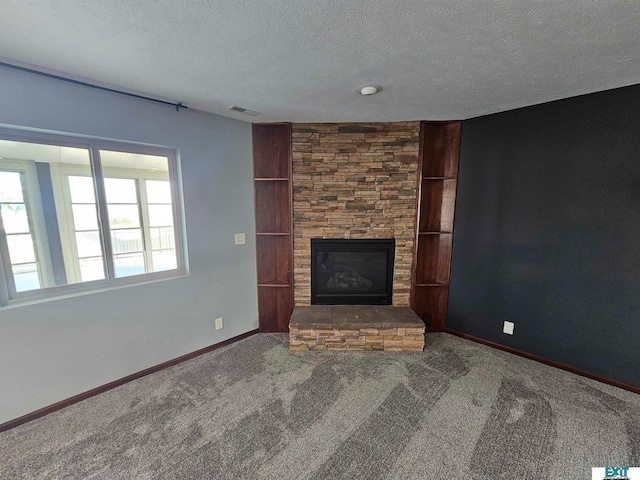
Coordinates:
[218,323]
[240,239]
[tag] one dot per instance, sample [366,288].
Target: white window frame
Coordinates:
[59,173]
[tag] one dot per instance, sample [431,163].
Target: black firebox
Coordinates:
[352,271]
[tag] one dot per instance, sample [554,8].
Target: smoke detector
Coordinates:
[369,90]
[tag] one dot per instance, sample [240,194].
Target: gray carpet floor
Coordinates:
[253,410]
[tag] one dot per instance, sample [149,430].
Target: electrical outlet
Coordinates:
[240,239]
[219,323]
[508,328]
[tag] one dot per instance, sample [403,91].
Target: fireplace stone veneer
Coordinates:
[354,180]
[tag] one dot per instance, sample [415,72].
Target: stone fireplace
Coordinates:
[355,181]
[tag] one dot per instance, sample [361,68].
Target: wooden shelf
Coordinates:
[271,147]
[430,303]
[274,260]
[275,305]
[273,207]
[438,170]
[433,259]
[440,149]
[274,214]
[436,205]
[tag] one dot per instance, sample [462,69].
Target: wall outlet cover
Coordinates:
[508,328]
[219,323]
[240,239]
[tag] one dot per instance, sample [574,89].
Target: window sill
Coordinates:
[124,283]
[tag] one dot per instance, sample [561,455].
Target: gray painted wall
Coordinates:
[547,232]
[56,349]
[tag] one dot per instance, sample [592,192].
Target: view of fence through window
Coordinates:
[86,231]
[52,231]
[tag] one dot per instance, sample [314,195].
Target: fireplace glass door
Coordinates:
[352,271]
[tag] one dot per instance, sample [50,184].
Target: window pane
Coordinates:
[21,248]
[164,260]
[162,238]
[88,244]
[14,218]
[26,277]
[81,189]
[85,217]
[158,191]
[129,264]
[73,156]
[124,216]
[41,152]
[91,269]
[160,215]
[141,162]
[126,241]
[45,240]
[120,190]
[10,187]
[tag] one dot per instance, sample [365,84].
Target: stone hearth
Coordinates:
[357,327]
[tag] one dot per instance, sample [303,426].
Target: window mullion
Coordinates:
[146,226]
[8,281]
[103,213]
[67,222]
[4,284]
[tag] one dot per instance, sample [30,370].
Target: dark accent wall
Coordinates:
[547,232]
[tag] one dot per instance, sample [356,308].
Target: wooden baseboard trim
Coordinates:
[116,383]
[561,366]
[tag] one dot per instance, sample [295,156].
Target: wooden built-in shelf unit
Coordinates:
[274,228]
[437,174]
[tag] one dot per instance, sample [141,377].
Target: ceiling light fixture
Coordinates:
[369,90]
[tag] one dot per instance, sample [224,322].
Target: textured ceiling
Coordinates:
[305,60]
